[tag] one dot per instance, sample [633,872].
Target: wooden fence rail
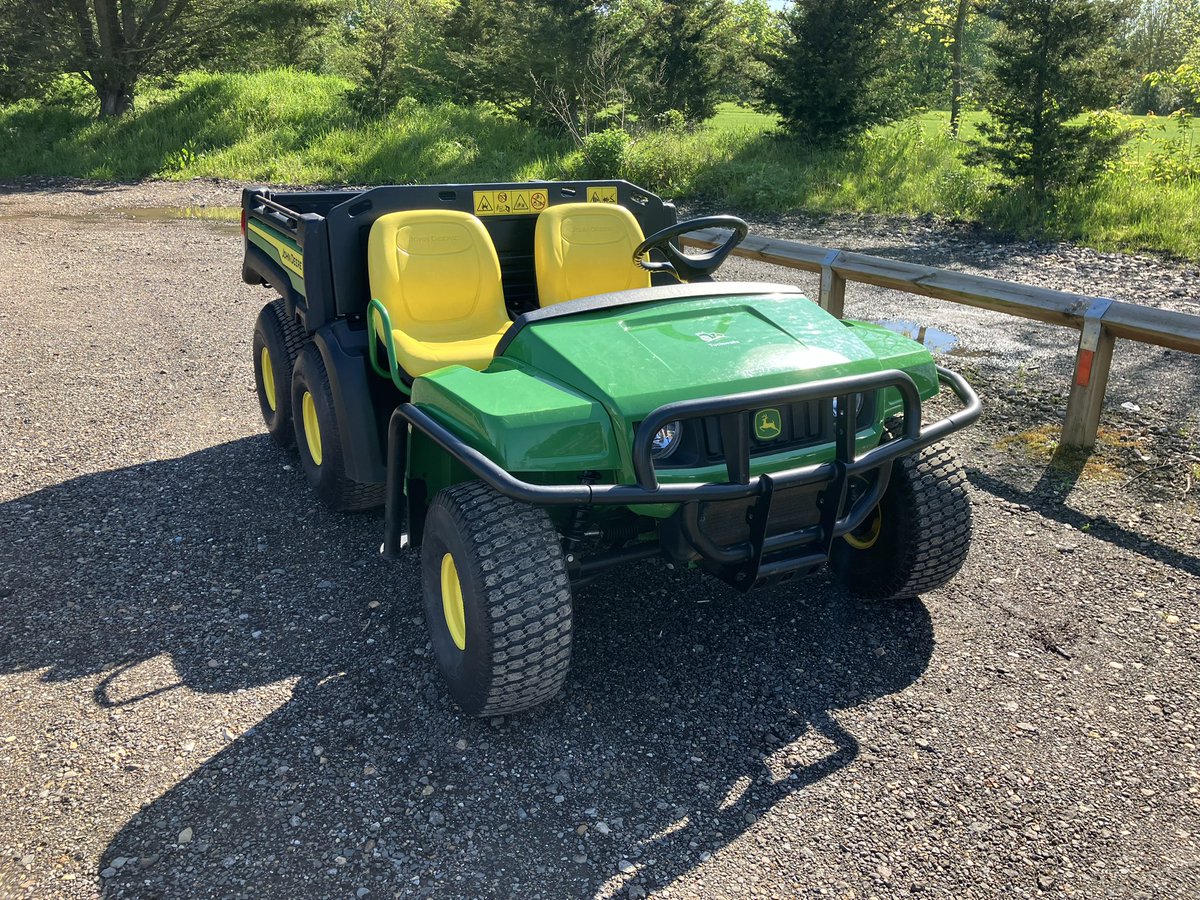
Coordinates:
[1099,320]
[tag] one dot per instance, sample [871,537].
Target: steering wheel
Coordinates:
[690,268]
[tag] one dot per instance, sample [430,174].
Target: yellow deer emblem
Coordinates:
[768,424]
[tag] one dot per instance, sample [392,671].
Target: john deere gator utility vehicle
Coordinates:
[538,391]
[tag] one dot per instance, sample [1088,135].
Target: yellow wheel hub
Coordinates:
[268,377]
[312,431]
[452,603]
[865,535]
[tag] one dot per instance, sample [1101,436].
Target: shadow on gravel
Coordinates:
[1046,498]
[689,714]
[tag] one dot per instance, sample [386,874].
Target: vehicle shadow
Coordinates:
[690,711]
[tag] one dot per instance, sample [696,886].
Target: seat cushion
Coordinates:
[418,356]
[437,274]
[584,249]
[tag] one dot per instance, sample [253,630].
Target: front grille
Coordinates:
[791,509]
[805,424]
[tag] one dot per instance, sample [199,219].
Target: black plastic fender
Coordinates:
[344,350]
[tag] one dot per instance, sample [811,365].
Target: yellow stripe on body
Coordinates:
[288,255]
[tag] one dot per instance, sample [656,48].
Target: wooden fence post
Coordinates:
[1092,363]
[832,298]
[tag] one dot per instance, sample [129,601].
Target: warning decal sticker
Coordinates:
[509,203]
[602,195]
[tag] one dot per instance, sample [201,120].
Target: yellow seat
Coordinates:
[437,275]
[584,249]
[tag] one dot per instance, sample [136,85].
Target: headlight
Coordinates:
[666,441]
[858,405]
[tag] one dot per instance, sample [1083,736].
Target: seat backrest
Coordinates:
[583,249]
[436,272]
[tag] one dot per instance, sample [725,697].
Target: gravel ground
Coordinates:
[212,687]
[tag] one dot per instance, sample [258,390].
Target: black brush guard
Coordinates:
[762,556]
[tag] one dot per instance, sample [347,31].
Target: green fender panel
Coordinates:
[895,351]
[523,422]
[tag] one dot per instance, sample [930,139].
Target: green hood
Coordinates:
[570,386]
[634,358]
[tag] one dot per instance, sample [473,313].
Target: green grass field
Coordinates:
[731,117]
[293,128]
[915,167]
[281,127]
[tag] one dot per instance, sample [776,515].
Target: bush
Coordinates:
[604,153]
[1175,90]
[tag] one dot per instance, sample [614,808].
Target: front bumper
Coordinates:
[762,555]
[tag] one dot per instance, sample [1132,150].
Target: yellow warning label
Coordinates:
[602,195]
[510,203]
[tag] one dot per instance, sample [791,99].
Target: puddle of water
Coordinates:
[223,215]
[222,218]
[933,338]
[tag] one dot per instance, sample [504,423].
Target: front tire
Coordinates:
[917,539]
[497,600]
[277,342]
[319,439]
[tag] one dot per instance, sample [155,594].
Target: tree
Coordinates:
[512,54]
[393,46]
[596,99]
[749,31]
[268,34]
[834,74]
[1158,38]
[111,44]
[962,9]
[941,50]
[1161,32]
[683,54]
[969,35]
[1053,59]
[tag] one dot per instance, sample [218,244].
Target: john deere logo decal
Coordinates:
[767,424]
[716,338]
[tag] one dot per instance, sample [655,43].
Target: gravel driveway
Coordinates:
[212,687]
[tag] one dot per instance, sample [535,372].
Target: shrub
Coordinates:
[604,153]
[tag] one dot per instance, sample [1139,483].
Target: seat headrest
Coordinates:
[583,249]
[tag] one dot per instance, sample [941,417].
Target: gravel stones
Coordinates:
[780,758]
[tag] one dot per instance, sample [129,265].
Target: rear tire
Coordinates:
[277,342]
[917,539]
[497,600]
[319,440]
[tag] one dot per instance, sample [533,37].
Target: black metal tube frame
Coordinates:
[740,484]
[278,216]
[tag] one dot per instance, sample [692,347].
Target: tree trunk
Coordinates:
[956,66]
[116,98]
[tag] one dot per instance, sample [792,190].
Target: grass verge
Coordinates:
[290,127]
[281,126]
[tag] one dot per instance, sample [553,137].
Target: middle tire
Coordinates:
[319,439]
[497,599]
[277,341]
